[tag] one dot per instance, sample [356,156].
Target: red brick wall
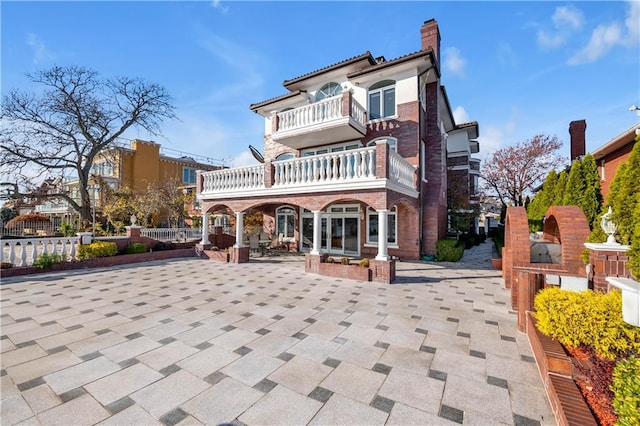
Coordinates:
[611,163]
[568,226]
[607,263]
[516,250]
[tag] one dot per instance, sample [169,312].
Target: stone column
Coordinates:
[382,235]
[239,229]
[317,232]
[205,229]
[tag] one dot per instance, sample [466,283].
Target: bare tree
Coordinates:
[509,173]
[75,117]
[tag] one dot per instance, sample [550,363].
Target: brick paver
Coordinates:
[196,341]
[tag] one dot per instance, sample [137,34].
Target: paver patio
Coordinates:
[192,341]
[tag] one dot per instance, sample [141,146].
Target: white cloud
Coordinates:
[568,16]
[460,115]
[496,136]
[217,4]
[605,37]
[453,61]
[245,158]
[505,54]
[40,52]
[565,20]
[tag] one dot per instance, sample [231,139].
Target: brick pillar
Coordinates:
[382,157]
[346,104]
[528,285]
[607,261]
[269,171]
[430,38]
[274,122]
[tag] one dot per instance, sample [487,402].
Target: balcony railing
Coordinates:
[355,169]
[321,112]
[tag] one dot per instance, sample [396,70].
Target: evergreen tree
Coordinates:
[559,188]
[623,197]
[544,198]
[591,197]
[574,187]
[634,252]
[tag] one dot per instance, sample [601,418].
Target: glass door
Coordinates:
[337,245]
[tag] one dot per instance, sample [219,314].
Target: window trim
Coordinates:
[284,232]
[191,171]
[380,88]
[393,212]
[328,86]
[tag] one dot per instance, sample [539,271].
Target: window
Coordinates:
[285,221]
[392,142]
[372,226]
[285,156]
[328,90]
[382,99]
[188,175]
[104,168]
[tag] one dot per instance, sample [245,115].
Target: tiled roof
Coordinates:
[395,61]
[468,124]
[365,55]
[256,106]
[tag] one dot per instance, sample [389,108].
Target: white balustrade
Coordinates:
[241,178]
[24,251]
[318,113]
[356,164]
[172,234]
[400,170]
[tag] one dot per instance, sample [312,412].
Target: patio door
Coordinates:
[345,236]
[340,230]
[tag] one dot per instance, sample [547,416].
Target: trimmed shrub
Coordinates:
[449,250]
[97,249]
[46,260]
[364,263]
[136,248]
[586,318]
[626,390]
[164,245]
[329,260]
[6,265]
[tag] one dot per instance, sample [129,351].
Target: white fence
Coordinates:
[172,234]
[24,251]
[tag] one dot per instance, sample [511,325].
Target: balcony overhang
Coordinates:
[474,146]
[340,129]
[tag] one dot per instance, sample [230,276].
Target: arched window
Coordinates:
[382,99]
[285,221]
[328,90]
[393,143]
[285,156]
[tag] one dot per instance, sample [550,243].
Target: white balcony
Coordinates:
[337,118]
[337,171]
[52,208]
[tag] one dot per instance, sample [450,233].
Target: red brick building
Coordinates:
[610,155]
[355,158]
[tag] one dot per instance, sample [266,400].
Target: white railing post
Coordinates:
[383,253]
[239,229]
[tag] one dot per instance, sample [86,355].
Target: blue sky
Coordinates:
[518,68]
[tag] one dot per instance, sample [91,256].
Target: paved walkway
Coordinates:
[193,341]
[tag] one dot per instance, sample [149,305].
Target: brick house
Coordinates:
[354,151]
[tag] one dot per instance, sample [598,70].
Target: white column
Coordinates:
[383,235]
[317,232]
[239,229]
[205,229]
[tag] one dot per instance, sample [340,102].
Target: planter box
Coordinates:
[351,272]
[218,256]
[555,369]
[496,263]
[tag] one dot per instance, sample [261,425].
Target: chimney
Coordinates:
[431,38]
[577,130]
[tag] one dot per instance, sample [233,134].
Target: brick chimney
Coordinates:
[577,130]
[431,38]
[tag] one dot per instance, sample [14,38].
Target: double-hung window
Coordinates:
[382,100]
[188,175]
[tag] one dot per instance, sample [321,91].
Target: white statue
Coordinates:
[609,227]
[133,219]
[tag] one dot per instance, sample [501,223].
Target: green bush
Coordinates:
[449,250]
[97,249]
[46,260]
[136,248]
[329,260]
[6,265]
[364,262]
[345,261]
[586,318]
[626,390]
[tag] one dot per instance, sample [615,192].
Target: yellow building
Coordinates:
[138,165]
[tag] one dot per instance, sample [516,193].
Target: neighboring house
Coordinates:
[139,165]
[356,157]
[464,172]
[608,156]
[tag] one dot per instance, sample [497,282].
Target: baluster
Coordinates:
[349,165]
[12,252]
[55,247]
[334,167]
[356,165]
[23,255]
[372,168]
[72,254]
